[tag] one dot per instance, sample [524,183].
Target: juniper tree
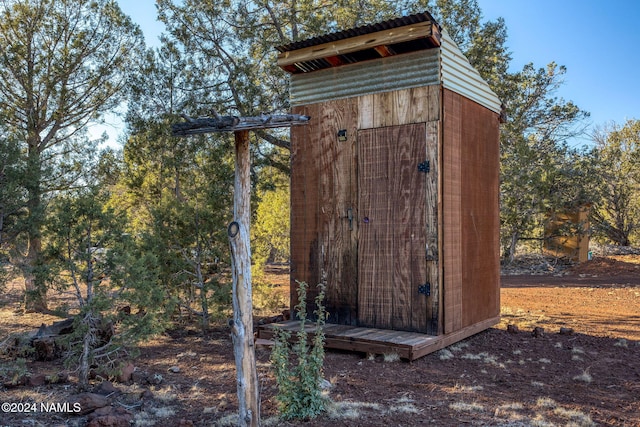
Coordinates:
[63,64]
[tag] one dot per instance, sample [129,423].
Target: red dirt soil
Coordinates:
[587,376]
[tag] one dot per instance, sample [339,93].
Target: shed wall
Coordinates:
[324,243]
[471,223]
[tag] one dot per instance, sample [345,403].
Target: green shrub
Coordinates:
[298,369]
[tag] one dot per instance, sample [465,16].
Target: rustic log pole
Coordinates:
[242,324]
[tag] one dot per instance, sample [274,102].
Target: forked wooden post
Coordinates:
[242,327]
[239,243]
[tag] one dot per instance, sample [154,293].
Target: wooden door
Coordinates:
[392,236]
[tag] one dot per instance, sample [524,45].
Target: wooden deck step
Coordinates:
[407,345]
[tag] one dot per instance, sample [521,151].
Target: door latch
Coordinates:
[350,218]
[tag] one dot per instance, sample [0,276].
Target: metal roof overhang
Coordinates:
[393,37]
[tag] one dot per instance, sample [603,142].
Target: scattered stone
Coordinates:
[513,329]
[538,332]
[110,416]
[566,331]
[140,377]
[105,388]
[175,369]
[36,380]
[126,372]
[89,402]
[156,379]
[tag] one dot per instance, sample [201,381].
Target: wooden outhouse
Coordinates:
[394,181]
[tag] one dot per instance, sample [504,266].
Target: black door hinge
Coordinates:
[424,167]
[425,289]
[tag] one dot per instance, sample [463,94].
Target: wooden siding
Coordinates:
[323,189]
[471,212]
[392,234]
[324,171]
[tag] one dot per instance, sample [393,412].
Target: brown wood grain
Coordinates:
[391,258]
[431,311]
[339,202]
[452,205]
[323,191]
[471,213]
[242,327]
[415,105]
[480,213]
[305,202]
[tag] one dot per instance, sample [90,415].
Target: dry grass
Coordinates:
[391,357]
[584,377]
[349,410]
[467,407]
[445,354]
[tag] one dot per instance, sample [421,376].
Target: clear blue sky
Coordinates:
[598,42]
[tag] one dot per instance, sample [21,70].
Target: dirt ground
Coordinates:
[588,375]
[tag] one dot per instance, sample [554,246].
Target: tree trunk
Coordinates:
[35,291]
[35,298]
[242,326]
[512,247]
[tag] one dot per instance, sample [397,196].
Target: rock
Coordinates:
[140,377]
[126,373]
[513,329]
[36,380]
[538,332]
[106,388]
[156,379]
[185,423]
[174,369]
[89,402]
[566,331]
[110,416]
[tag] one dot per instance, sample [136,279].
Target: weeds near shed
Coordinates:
[584,377]
[578,418]
[467,407]
[622,343]
[445,354]
[298,369]
[391,357]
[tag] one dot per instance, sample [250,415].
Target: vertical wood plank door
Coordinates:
[392,231]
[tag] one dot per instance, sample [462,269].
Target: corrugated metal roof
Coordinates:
[333,74]
[359,31]
[461,77]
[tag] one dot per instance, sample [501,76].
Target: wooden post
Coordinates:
[242,324]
